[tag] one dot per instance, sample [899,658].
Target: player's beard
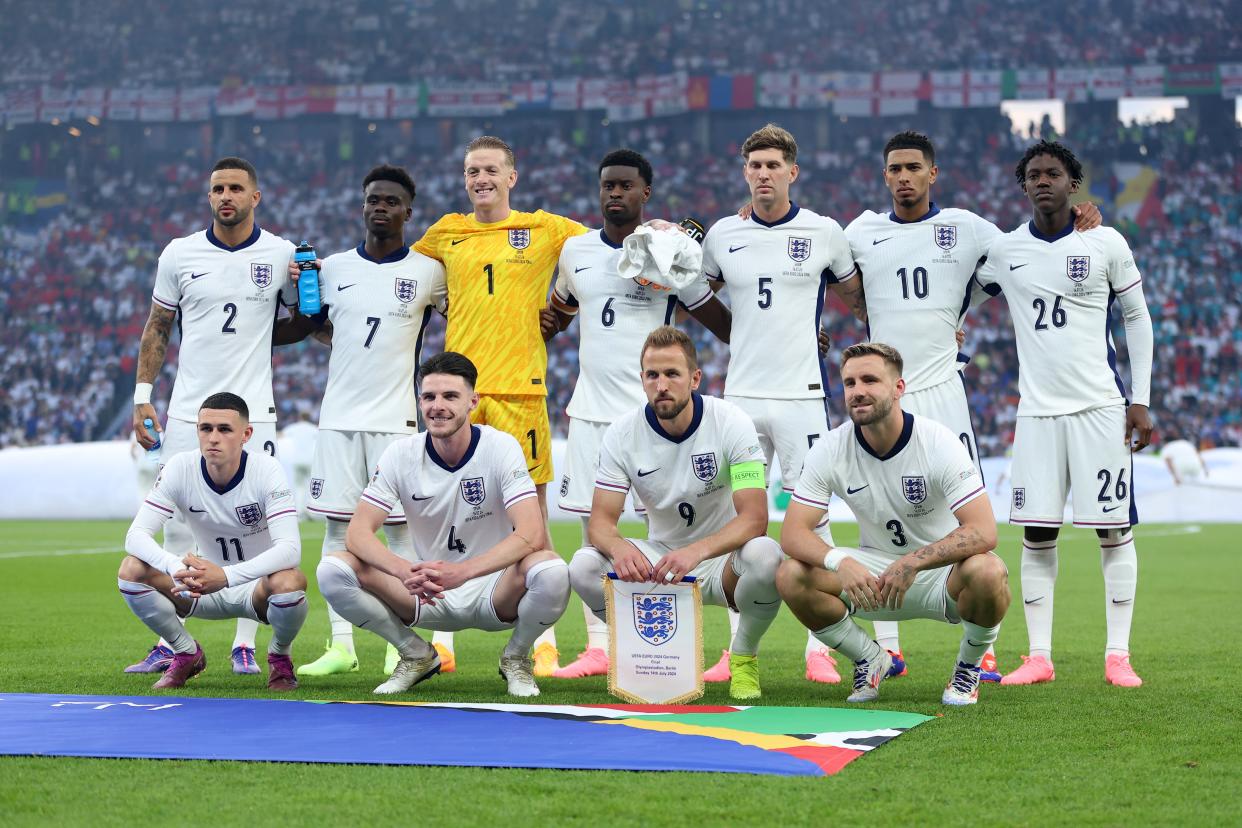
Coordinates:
[879,410]
[670,414]
[240,214]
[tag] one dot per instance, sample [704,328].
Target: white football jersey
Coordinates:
[232,524]
[454,512]
[614,317]
[378,310]
[776,275]
[903,500]
[1059,292]
[916,275]
[226,300]
[682,481]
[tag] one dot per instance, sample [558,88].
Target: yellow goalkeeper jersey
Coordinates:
[498,280]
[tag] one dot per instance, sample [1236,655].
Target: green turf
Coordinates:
[1075,751]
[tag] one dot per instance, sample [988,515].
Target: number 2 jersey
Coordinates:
[904,499]
[379,310]
[226,300]
[454,512]
[1060,291]
[249,525]
[683,481]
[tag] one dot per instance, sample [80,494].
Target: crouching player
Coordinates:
[926,523]
[240,510]
[696,464]
[477,529]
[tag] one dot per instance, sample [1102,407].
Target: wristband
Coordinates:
[142,393]
[834,557]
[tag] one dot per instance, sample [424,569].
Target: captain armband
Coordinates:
[747,475]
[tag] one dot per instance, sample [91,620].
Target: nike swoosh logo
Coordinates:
[456,242]
[1015,267]
[976,643]
[874,242]
[642,473]
[339,288]
[739,247]
[196,275]
[1127,601]
[417,498]
[197,511]
[855,491]
[767,603]
[530,469]
[580,269]
[1108,509]
[1033,600]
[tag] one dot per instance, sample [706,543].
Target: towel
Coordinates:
[664,258]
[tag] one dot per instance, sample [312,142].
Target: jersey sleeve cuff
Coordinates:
[375,501]
[700,302]
[1130,286]
[520,496]
[806,501]
[163,303]
[610,486]
[962,501]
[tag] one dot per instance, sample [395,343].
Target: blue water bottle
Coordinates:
[308,280]
[153,453]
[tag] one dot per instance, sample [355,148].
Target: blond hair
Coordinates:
[666,336]
[772,136]
[492,142]
[888,353]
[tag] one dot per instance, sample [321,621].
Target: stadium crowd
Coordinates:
[78,42]
[74,309]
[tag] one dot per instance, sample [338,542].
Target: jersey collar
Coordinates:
[475,434]
[227,487]
[907,429]
[1069,228]
[254,237]
[788,217]
[932,210]
[604,238]
[696,400]
[395,256]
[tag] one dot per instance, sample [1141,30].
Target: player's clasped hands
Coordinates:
[862,587]
[200,577]
[894,582]
[677,564]
[429,580]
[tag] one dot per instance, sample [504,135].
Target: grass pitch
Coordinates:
[1074,751]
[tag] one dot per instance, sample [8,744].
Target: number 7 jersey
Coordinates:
[1060,291]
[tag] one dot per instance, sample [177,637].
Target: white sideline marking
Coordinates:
[60,553]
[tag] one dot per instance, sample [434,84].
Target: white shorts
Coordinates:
[927,597]
[469,607]
[581,463]
[788,429]
[182,435]
[946,404]
[1081,454]
[343,465]
[230,602]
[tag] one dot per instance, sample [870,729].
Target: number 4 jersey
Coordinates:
[226,300]
[459,511]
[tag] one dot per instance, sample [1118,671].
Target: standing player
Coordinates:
[241,513]
[499,264]
[777,264]
[223,287]
[379,297]
[1075,425]
[696,464]
[917,261]
[925,523]
[617,314]
[477,530]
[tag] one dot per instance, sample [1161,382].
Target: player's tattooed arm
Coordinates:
[151,352]
[851,293]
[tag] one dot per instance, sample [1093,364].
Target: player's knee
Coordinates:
[791,577]
[586,568]
[550,574]
[132,569]
[286,580]
[759,558]
[335,577]
[986,572]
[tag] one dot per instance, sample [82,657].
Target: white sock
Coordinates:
[975,642]
[1119,560]
[849,639]
[339,584]
[548,636]
[597,631]
[886,635]
[547,595]
[400,541]
[247,631]
[158,612]
[734,621]
[586,576]
[813,645]
[444,639]
[286,612]
[334,541]
[1039,577]
[755,594]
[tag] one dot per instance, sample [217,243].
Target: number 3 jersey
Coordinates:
[904,499]
[683,481]
[454,512]
[226,300]
[233,524]
[379,310]
[1060,291]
